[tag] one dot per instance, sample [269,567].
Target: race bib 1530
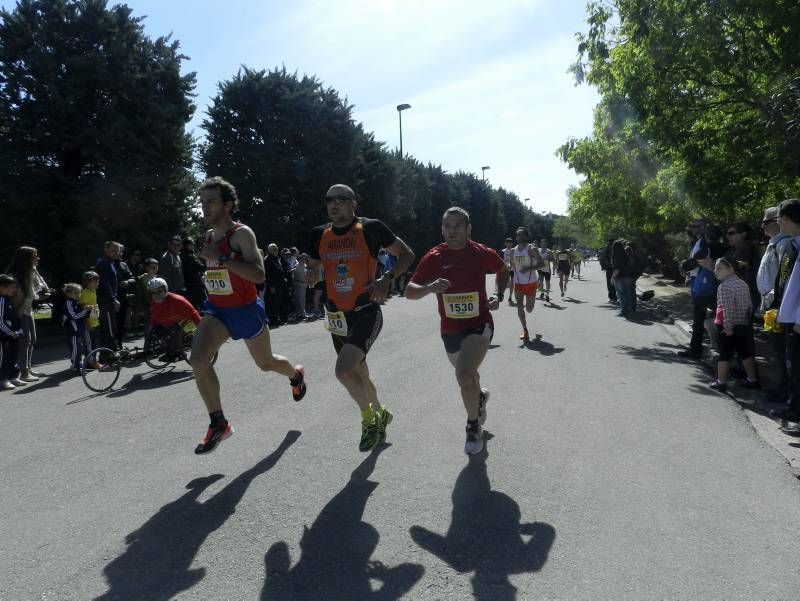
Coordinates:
[463,305]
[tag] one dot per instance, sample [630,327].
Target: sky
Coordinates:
[487,81]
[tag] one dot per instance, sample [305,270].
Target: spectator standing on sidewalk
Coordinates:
[135,263]
[743,255]
[127,289]
[276,282]
[604,257]
[771,281]
[10,333]
[107,293]
[300,287]
[789,313]
[170,267]
[193,269]
[734,319]
[622,276]
[30,288]
[700,265]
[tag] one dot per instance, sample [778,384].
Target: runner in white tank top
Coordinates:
[525,260]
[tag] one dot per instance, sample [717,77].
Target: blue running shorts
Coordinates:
[242,322]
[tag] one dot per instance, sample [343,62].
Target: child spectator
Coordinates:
[733,319]
[88,299]
[10,331]
[169,309]
[75,325]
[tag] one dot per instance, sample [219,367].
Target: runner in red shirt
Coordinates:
[456,272]
[233,309]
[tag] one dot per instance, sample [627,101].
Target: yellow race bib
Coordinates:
[464,305]
[335,322]
[218,282]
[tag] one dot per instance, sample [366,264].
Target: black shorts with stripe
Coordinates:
[364,323]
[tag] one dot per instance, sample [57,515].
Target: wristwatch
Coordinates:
[222,259]
[388,274]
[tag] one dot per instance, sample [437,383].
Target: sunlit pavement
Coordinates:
[611,471]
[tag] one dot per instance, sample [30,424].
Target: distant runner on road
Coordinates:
[525,260]
[455,272]
[544,271]
[563,266]
[348,248]
[508,252]
[233,309]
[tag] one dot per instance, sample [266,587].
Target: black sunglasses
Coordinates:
[733,233]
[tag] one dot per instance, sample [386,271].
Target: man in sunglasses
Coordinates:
[347,248]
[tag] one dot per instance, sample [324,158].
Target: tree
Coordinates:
[282,140]
[92,140]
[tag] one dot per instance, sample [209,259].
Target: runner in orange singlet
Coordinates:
[347,248]
[233,309]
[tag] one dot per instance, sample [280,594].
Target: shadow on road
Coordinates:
[574,301]
[54,380]
[155,566]
[335,553]
[541,346]
[486,536]
[152,380]
[553,305]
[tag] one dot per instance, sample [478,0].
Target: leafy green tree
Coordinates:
[92,140]
[282,140]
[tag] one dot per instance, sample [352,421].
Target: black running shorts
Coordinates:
[363,327]
[452,342]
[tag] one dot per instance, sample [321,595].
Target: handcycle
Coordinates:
[162,347]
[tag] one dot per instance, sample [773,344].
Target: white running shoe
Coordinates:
[18,382]
[6,385]
[484,398]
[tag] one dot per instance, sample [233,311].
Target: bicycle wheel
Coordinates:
[101,369]
[154,353]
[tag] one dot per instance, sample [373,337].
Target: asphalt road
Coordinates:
[611,473]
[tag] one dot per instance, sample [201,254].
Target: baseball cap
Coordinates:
[157,283]
[340,190]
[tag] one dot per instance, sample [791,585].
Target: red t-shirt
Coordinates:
[174,309]
[464,306]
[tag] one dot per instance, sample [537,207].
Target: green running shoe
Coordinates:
[369,434]
[383,418]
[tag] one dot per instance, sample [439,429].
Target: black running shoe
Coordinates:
[214,437]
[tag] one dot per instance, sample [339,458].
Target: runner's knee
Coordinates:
[466,376]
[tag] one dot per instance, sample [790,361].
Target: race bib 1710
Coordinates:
[218,282]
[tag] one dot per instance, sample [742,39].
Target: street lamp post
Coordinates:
[483,172]
[400,109]
[526,202]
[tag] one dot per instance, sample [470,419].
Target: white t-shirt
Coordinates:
[545,252]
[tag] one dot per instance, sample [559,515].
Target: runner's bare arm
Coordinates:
[437,286]
[405,256]
[247,263]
